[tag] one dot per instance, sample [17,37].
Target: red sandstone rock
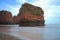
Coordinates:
[16,19]
[6,17]
[30,15]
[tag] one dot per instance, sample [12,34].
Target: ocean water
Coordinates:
[47,32]
[52,32]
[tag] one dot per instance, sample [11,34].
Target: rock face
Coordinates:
[16,19]
[6,17]
[30,15]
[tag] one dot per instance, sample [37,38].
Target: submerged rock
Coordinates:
[6,17]
[30,15]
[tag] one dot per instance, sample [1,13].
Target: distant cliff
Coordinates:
[6,17]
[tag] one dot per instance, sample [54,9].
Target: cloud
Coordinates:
[31,1]
[44,5]
[13,9]
[21,1]
[51,10]
[55,2]
[48,9]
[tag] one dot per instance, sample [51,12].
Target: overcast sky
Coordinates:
[51,8]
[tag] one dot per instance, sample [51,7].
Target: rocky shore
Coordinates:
[29,15]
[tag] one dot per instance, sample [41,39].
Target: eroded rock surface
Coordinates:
[6,17]
[30,15]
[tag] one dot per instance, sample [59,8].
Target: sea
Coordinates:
[47,32]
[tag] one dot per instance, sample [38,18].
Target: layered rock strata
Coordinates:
[30,15]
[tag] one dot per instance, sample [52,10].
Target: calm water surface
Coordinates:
[52,32]
[48,32]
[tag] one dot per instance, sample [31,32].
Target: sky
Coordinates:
[51,8]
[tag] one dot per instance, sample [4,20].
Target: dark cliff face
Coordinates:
[6,17]
[16,19]
[30,15]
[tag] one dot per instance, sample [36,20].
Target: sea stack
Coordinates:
[30,15]
[6,17]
